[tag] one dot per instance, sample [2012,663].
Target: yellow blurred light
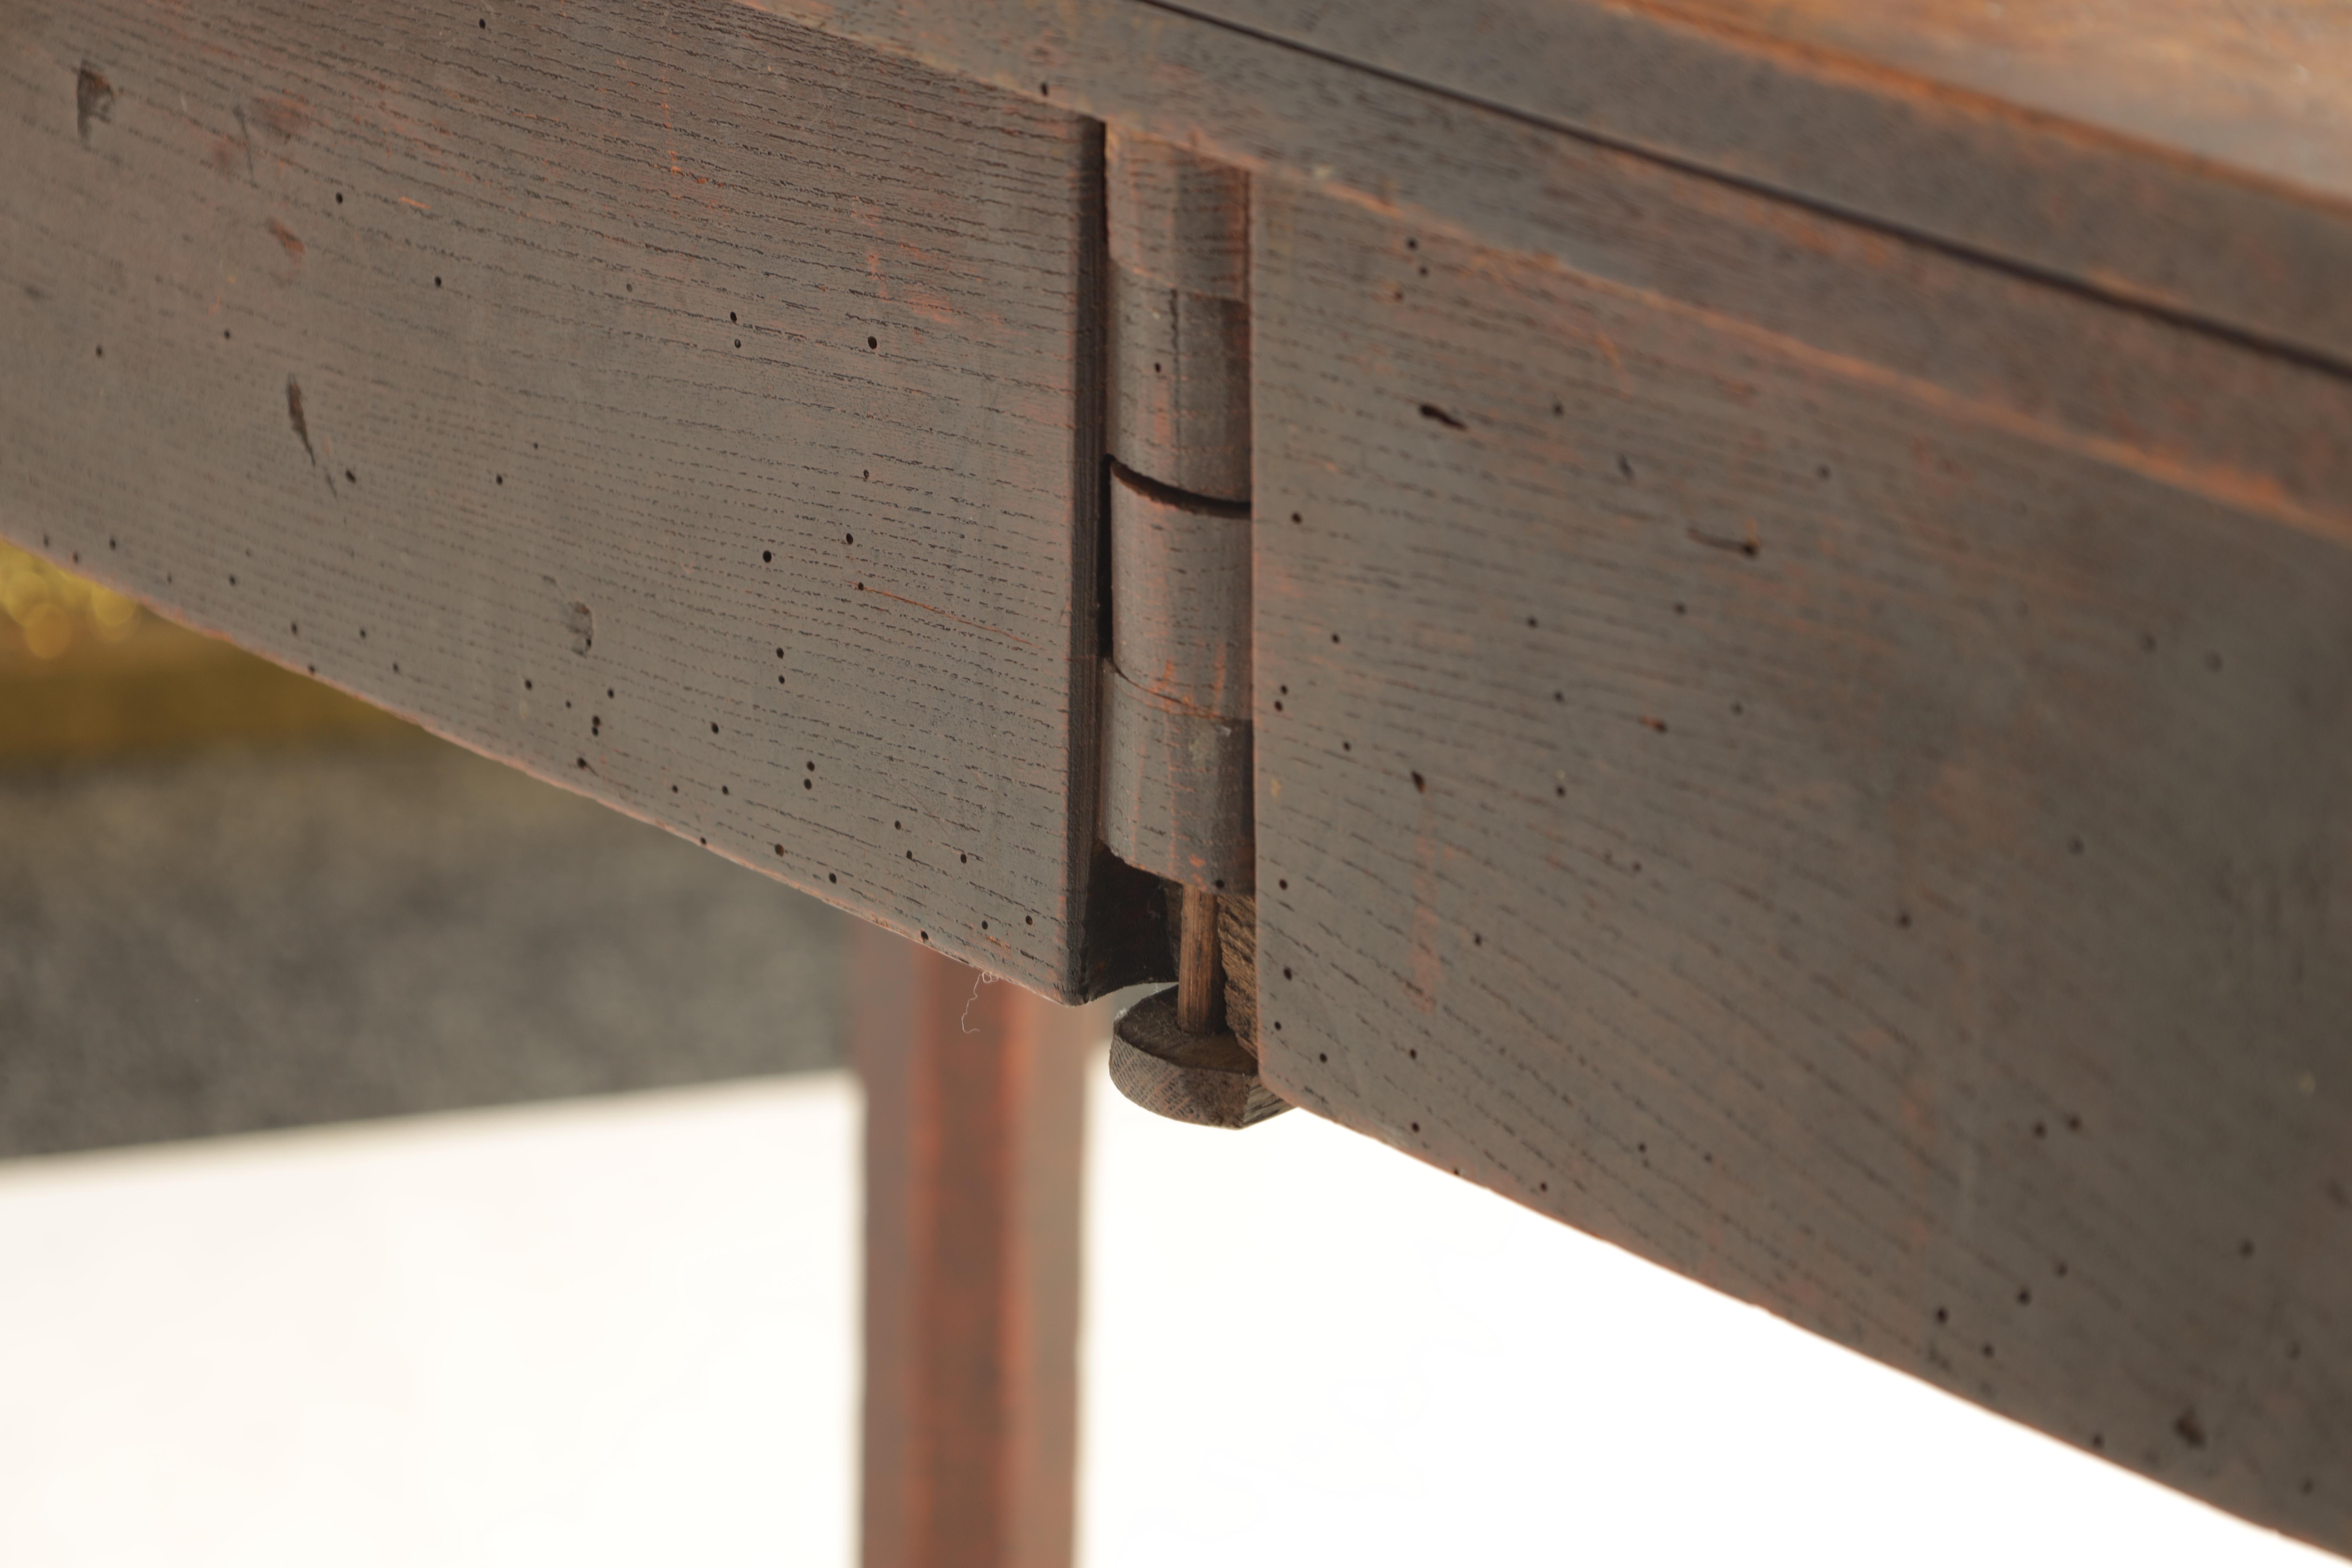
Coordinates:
[85,672]
[117,616]
[21,590]
[48,631]
[55,607]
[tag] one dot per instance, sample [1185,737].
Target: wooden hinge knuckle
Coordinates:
[1177,764]
[1179,771]
[1180,325]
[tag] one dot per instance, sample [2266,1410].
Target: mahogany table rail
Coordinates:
[1732,619]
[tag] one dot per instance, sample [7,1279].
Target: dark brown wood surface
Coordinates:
[2179,160]
[975,1105]
[1176,692]
[1173,781]
[1181,596]
[2191,153]
[1872,850]
[691,409]
[1801,617]
[2262,86]
[528,253]
[1179,307]
[1237,958]
[1176,747]
[1205,1077]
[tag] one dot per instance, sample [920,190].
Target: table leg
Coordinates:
[974,1096]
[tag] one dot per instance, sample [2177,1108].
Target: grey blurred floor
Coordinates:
[233,940]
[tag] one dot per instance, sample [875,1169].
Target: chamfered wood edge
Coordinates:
[2215,244]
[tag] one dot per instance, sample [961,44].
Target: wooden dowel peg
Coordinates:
[1200,976]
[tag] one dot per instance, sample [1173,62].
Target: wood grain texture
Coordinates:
[1179,352]
[1180,386]
[2210,232]
[2190,154]
[1208,1079]
[1179,596]
[2188,407]
[1200,968]
[1877,856]
[689,408]
[1176,217]
[975,1105]
[1237,954]
[2264,86]
[1176,691]
[1176,786]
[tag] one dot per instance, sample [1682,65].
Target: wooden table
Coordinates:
[1734,614]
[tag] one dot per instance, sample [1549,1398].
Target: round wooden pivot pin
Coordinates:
[1208,1080]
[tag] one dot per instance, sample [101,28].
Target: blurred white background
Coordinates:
[623,1330]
